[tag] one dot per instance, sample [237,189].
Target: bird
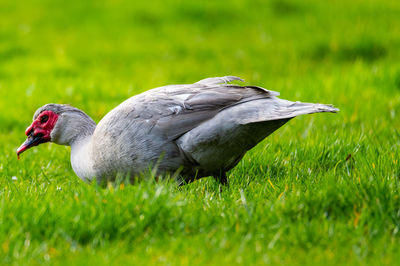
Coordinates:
[189,130]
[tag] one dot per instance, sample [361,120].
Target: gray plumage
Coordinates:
[200,129]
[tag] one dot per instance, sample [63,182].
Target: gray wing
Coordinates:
[180,108]
[176,109]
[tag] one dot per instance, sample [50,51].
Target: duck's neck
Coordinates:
[81,149]
[81,158]
[73,128]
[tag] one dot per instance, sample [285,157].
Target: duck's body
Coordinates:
[198,130]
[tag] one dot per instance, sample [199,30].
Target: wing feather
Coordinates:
[203,100]
[176,109]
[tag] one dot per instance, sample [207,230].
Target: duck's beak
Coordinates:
[31,141]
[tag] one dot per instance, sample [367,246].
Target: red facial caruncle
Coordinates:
[39,131]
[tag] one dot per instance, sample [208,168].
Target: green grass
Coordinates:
[297,198]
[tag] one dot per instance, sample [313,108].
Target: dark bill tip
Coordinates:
[31,141]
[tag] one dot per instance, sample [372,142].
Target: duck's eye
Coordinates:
[44,119]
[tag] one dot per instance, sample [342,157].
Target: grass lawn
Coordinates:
[324,189]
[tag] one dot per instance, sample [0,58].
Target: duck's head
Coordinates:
[58,123]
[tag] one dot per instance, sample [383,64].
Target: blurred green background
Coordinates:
[95,54]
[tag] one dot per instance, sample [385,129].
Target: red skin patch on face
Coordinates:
[39,131]
[40,126]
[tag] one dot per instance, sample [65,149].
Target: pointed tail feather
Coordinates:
[273,108]
[299,108]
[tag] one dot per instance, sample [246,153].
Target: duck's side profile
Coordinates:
[201,129]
